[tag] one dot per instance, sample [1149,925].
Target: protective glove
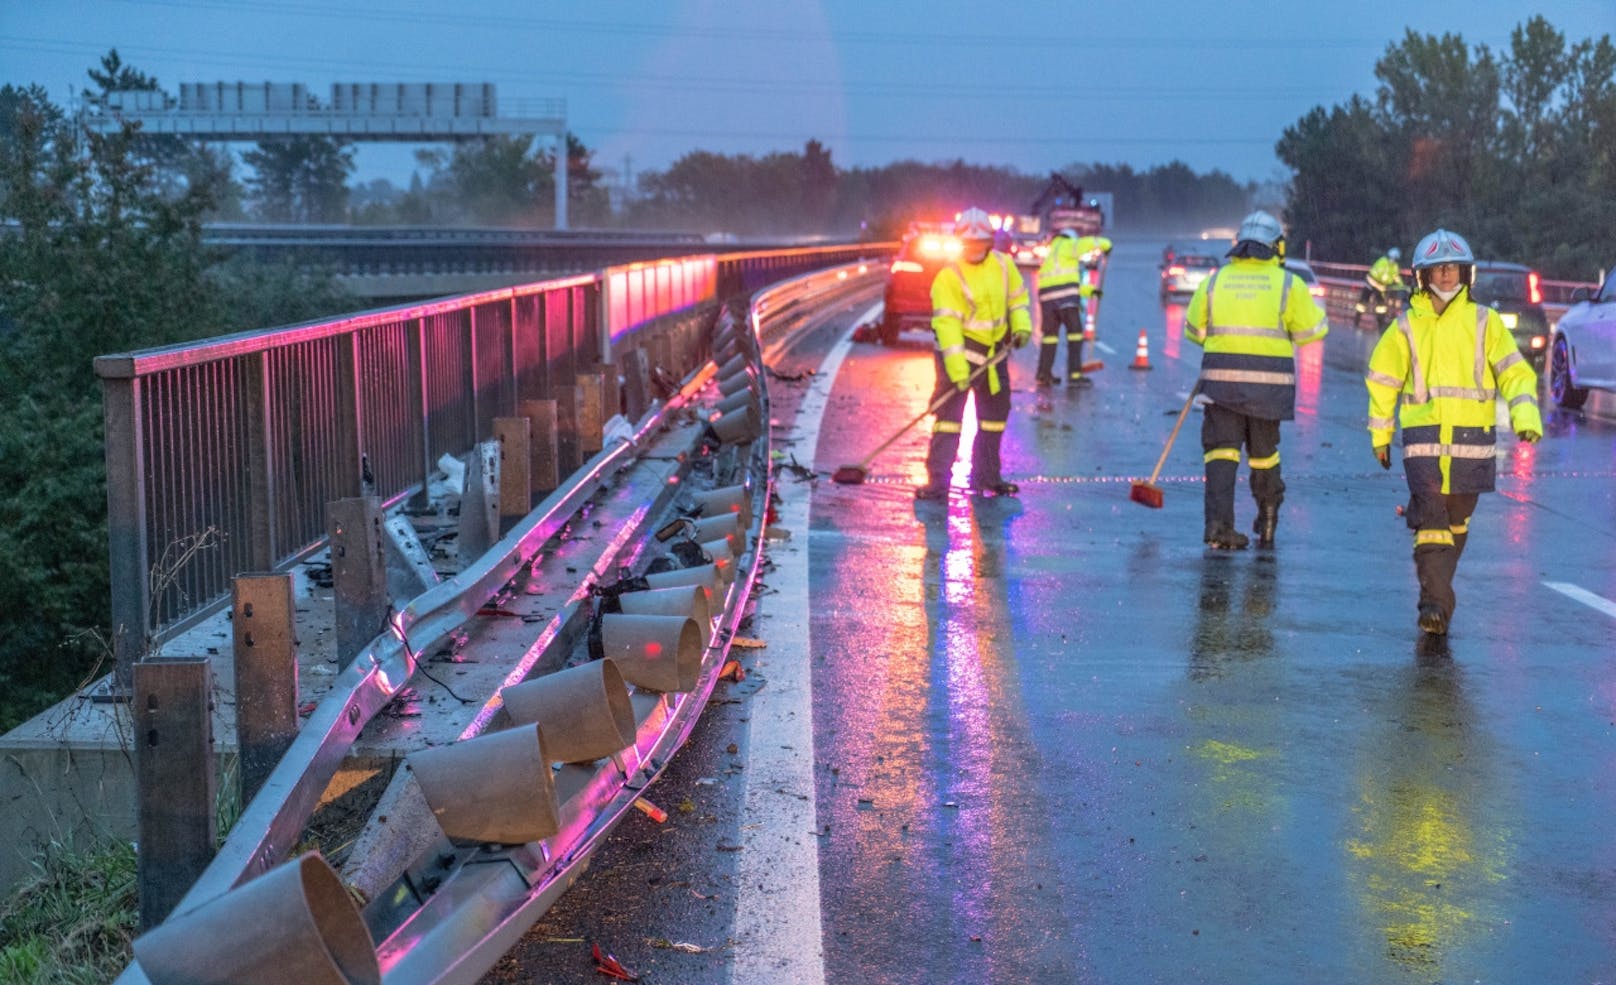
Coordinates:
[1097,292]
[1383,455]
[1529,436]
[962,385]
[1018,339]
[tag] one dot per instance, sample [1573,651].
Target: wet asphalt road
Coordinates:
[1055,739]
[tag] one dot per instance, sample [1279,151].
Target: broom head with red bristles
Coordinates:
[1146,494]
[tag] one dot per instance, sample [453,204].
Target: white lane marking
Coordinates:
[777,920]
[1584,596]
[1104,348]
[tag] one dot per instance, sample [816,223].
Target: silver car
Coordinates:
[1582,355]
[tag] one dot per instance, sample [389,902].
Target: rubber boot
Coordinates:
[932,490]
[1267,522]
[1224,537]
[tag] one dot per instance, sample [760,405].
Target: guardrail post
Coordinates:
[174,775]
[515,469]
[591,413]
[546,469]
[265,650]
[358,573]
[126,526]
[636,383]
[569,400]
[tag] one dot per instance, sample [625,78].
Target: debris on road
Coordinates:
[609,965]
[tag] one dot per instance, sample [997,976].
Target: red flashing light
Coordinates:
[1534,289]
[1175,271]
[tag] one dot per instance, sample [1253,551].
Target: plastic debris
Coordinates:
[651,810]
[606,964]
[684,946]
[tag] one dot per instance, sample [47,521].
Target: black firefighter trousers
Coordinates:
[992,411]
[1223,433]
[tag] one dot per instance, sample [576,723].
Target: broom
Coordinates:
[1148,493]
[853,475]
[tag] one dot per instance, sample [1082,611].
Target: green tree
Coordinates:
[106,256]
[1347,195]
[300,179]
[818,179]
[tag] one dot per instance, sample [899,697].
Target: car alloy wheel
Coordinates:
[1560,388]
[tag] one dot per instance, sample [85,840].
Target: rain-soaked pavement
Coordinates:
[1055,739]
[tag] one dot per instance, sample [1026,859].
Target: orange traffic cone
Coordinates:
[1141,355]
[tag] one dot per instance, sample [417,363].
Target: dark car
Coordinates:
[925,251]
[1516,293]
[1183,269]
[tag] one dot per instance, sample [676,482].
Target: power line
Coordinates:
[639,27]
[748,86]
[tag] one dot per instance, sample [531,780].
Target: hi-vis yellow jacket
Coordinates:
[973,307]
[1449,370]
[1385,274]
[1250,316]
[1060,276]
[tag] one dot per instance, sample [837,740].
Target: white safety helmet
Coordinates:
[1443,247]
[973,223]
[1260,227]
[1069,231]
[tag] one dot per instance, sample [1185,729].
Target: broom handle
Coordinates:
[1174,436]
[942,399]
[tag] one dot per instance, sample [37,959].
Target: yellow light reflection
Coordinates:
[1421,864]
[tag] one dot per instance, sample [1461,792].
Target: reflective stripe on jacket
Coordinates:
[1249,317]
[1060,276]
[980,303]
[1448,371]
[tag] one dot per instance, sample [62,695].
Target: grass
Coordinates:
[73,921]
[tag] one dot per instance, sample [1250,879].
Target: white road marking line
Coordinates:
[777,919]
[1104,348]
[1584,596]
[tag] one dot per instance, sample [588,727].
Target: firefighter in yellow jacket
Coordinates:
[1448,359]
[978,306]
[1249,317]
[1061,291]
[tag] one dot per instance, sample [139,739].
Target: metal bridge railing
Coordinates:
[221,455]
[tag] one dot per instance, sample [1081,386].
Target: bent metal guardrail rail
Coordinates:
[221,454]
[444,905]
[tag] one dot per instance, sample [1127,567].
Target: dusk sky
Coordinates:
[1030,85]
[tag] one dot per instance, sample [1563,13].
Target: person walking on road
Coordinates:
[1384,277]
[1448,360]
[978,305]
[1249,317]
[1061,291]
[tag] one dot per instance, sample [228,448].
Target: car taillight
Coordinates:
[1317,290]
[1539,341]
[1534,290]
[907,267]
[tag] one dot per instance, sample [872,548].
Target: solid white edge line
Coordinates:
[778,932]
[1584,596]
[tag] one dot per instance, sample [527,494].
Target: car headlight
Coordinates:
[1511,319]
